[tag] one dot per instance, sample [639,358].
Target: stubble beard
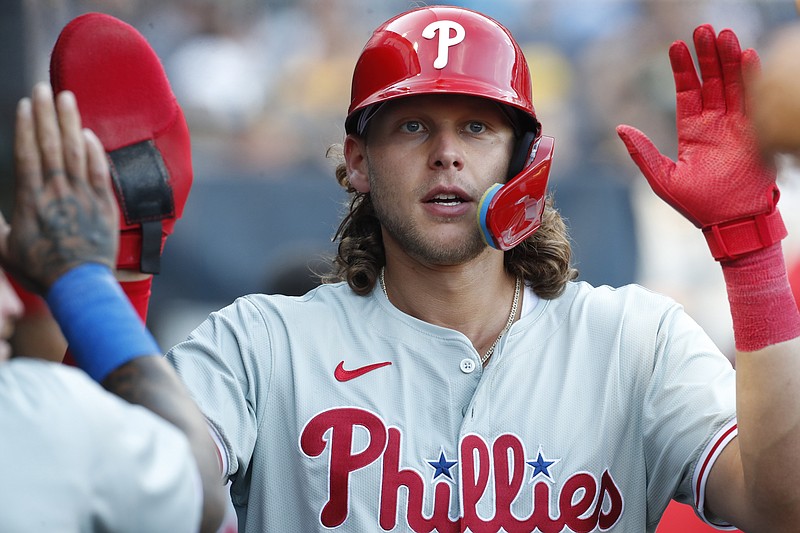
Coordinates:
[413,240]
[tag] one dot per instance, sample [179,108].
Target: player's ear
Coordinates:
[356,162]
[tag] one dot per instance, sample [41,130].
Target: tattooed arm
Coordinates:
[65,227]
[152,383]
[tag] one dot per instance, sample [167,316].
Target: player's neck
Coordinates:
[472,299]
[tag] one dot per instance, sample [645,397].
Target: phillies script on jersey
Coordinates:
[583,503]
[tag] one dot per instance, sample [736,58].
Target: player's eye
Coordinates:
[476,127]
[412,126]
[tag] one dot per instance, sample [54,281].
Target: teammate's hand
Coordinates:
[719,175]
[65,213]
[776,95]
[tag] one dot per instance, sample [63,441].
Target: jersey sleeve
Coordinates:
[702,468]
[93,461]
[689,406]
[225,364]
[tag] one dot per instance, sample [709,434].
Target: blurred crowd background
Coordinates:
[265,88]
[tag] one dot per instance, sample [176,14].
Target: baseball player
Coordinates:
[75,457]
[456,377]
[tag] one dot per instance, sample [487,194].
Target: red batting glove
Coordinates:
[722,185]
[720,182]
[124,96]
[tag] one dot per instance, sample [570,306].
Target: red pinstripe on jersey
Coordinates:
[713,449]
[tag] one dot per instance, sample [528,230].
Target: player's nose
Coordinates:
[446,150]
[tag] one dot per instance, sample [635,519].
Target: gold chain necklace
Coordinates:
[510,320]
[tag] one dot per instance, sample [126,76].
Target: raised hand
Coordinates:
[719,181]
[65,213]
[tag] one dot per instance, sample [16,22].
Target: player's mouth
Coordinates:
[447,199]
[450,203]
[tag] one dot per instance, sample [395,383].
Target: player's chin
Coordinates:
[458,248]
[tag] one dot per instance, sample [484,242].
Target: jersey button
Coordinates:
[467,366]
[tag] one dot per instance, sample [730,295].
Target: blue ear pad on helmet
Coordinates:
[483,207]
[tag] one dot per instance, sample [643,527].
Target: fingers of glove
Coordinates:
[708,59]
[730,56]
[687,84]
[74,149]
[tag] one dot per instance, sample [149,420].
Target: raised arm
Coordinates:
[62,243]
[720,183]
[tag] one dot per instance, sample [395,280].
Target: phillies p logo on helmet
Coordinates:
[443,28]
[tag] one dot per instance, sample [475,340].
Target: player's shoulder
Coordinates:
[50,402]
[630,291]
[323,298]
[613,301]
[31,379]
[105,453]
[629,320]
[39,389]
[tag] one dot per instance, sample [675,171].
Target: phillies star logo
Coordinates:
[584,502]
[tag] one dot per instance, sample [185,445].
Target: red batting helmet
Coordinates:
[453,50]
[442,49]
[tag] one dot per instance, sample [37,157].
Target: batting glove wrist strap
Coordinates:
[732,240]
[762,306]
[103,329]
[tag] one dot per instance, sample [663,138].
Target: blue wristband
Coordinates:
[100,324]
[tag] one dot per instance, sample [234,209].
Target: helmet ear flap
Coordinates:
[510,213]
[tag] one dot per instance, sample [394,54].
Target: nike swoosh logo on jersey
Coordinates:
[341,374]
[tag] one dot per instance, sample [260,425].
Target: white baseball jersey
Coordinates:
[340,412]
[75,458]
